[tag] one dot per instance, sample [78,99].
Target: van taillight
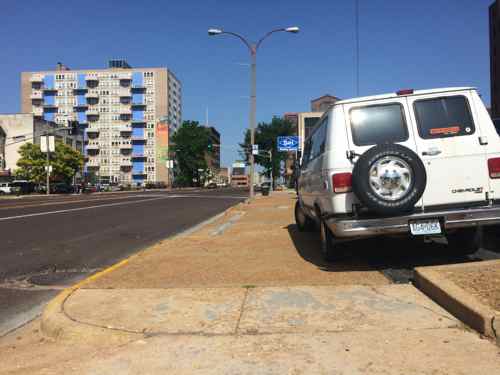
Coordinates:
[342,182]
[494,167]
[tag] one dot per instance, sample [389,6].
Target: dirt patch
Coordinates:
[482,282]
[261,247]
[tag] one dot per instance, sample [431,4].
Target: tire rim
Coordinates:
[391,178]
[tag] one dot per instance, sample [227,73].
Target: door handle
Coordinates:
[431,152]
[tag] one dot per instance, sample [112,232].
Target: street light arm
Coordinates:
[239,37]
[267,35]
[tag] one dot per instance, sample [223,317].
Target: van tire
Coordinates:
[464,241]
[364,191]
[328,248]
[304,222]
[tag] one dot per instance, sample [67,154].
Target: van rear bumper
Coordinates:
[450,219]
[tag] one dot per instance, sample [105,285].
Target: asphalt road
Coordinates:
[47,243]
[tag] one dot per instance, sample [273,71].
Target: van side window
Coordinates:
[307,153]
[375,124]
[443,117]
[496,122]
[318,139]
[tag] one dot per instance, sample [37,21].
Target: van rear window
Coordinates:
[378,124]
[443,117]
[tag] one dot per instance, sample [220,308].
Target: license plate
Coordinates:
[424,227]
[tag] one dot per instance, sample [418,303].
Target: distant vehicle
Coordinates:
[279,188]
[212,185]
[89,189]
[22,187]
[62,188]
[5,188]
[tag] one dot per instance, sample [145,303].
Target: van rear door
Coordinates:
[377,122]
[447,139]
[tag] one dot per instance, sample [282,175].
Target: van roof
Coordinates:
[395,95]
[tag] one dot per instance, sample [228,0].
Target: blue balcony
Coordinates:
[138,155]
[139,123]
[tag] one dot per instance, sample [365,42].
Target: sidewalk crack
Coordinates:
[242,309]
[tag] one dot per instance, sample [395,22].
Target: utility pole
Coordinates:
[271,161]
[48,162]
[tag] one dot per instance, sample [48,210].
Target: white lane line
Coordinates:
[90,200]
[80,209]
[210,197]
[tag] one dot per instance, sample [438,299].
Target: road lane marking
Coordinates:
[157,197]
[79,209]
[210,196]
[96,199]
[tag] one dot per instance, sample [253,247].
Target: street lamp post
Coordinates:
[252,48]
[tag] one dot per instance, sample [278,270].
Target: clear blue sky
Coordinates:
[417,44]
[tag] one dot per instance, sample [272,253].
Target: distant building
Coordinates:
[213,156]
[322,103]
[129,114]
[495,58]
[293,118]
[18,129]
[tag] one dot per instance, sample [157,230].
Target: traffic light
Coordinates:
[210,146]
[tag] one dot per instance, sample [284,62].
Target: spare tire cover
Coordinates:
[389,179]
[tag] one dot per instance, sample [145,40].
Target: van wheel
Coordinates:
[304,222]
[328,248]
[389,179]
[464,241]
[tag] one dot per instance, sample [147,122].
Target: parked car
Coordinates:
[417,163]
[61,188]
[22,187]
[212,185]
[5,188]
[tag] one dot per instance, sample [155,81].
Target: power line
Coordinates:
[357,45]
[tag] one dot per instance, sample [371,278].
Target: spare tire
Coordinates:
[389,179]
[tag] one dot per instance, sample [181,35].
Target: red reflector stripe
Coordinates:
[342,182]
[494,167]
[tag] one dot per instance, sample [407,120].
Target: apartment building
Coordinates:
[125,112]
[322,103]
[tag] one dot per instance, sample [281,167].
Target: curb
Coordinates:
[59,326]
[457,301]
[55,323]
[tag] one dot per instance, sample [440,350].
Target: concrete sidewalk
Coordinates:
[247,294]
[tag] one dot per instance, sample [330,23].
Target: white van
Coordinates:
[5,188]
[420,163]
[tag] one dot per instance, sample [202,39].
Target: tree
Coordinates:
[266,136]
[65,162]
[190,145]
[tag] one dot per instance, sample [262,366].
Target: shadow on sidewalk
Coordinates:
[379,253]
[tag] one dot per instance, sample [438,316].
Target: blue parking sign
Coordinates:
[288,143]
